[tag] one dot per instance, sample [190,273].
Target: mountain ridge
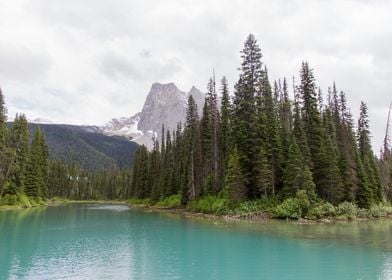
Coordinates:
[165,104]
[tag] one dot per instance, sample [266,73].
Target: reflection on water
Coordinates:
[94,241]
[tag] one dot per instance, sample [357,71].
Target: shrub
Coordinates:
[363,213]
[347,209]
[139,201]
[378,211]
[322,210]
[173,201]
[289,208]
[209,204]
[303,201]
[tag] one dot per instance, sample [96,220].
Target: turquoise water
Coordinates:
[85,241]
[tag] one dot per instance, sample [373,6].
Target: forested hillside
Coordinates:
[91,151]
[39,162]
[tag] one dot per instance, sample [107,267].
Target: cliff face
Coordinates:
[165,104]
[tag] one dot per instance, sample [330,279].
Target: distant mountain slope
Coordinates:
[164,104]
[90,150]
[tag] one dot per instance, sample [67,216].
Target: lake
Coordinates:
[93,241]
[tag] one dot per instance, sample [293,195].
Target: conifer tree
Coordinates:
[297,175]
[192,153]
[34,170]
[3,123]
[244,107]
[4,155]
[225,123]
[300,136]
[235,181]
[366,154]
[272,142]
[19,144]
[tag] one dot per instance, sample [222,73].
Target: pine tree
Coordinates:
[297,175]
[366,154]
[235,181]
[244,107]
[19,144]
[225,123]
[3,123]
[300,136]
[273,148]
[34,170]
[4,154]
[192,154]
[286,118]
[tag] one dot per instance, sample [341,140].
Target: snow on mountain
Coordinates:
[165,104]
[40,121]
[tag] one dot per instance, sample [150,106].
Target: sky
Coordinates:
[85,62]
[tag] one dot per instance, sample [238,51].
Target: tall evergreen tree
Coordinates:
[19,144]
[193,168]
[4,155]
[225,123]
[244,107]
[366,154]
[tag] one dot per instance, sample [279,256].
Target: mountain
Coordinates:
[165,104]
[87,148]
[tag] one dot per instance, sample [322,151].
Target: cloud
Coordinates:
[85,62]
[22,64]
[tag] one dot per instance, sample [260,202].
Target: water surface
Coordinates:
[87,241]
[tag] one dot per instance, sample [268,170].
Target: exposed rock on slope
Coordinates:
[165,104]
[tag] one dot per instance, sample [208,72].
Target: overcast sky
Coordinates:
[85,62]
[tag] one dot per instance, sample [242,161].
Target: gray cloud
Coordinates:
[22,64]
[88,61]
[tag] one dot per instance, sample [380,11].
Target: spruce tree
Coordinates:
[19,143]
[297,175]
[225,123]
[34,176]
[192,154]
[235,181]
[3,123]
[366,154]
[244,107]
[4,154]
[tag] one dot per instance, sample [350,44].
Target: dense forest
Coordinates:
[260,144]
[30,176]
[297,152]
[85,147]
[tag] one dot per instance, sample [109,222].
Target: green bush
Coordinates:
[378,211]
[293,208]
[303,201]
[289,208]
[251,206]
[363,213]
[173,201]
[209,204]
[140,201]
[347,209]
[322,210]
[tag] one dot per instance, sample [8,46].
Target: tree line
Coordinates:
[29,176]
[262,143]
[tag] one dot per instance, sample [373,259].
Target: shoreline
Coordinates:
[261,217]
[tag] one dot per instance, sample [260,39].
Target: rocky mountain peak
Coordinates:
[165,104]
